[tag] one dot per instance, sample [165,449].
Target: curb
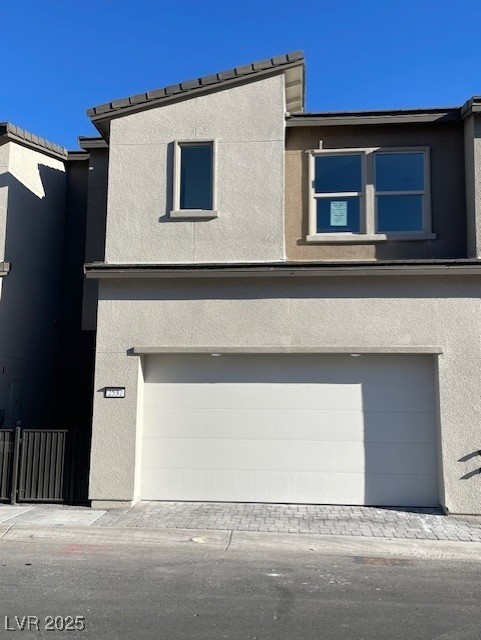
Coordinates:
[240,541]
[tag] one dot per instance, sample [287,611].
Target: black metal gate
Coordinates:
[33,465]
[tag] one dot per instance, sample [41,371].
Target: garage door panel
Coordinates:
[288,455]
[254,424]
[259,486]
[256,396]
[370,396]
[278,486]
[239,368]
[384,368]
[400,458]
[400,426]
[302,424]
[401,490]
[399,396]
[246,455]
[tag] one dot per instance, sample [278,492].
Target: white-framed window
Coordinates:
[369,194]
[194,193]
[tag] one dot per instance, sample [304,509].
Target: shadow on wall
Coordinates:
[291,287]
[401,446]
[474,458]
[169,185]
[31,294]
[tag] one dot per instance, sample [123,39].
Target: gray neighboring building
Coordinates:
[32,213]
[46,356]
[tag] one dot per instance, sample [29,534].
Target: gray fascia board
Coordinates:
[103,127]
[471,107]
[75,156]
[110,271]
[349,119]
[90,142]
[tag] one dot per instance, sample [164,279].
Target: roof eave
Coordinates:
[347,118]
[471,107]
[91,142]
[76,156]
[12,133]
[291,65]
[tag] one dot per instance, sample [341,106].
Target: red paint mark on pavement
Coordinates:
[83,548]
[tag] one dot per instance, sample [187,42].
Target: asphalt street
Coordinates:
[194,590]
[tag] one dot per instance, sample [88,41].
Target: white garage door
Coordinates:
[290,428]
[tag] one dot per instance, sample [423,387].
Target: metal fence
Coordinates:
[33,465]
[7,446]
[41,476]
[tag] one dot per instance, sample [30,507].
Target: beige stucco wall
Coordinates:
[369,313]
[247,123]
[447,190]
[32,216]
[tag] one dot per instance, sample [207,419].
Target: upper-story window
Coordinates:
[400,185]
[194,180]
[364,195]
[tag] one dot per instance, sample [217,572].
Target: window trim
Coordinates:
[368,200]
[197,214]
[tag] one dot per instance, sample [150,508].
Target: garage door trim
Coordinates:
[395,350]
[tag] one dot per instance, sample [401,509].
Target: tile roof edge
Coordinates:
[17,134]
[239,73]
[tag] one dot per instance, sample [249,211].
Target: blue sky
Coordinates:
[61,56]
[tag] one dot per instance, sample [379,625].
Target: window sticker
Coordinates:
[338,211]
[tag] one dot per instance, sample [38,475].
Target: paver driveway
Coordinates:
[428,524]
[288,518]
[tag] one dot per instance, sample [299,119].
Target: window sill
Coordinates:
[194,214]
[358,238]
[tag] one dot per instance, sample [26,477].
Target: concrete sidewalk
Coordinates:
[367,522]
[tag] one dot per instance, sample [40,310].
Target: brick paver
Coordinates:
[387,522]
[407,523]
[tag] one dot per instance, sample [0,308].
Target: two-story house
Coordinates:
[289,302]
